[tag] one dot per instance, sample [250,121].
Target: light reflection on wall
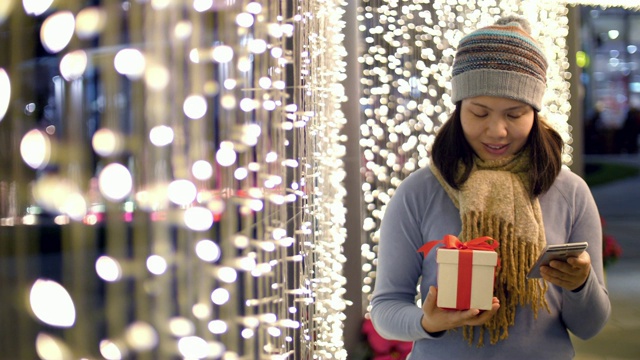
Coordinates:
[406,67]
[189,155]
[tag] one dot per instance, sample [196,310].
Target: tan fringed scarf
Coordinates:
[494,202]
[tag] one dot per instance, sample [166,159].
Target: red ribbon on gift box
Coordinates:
[452,242]
[465,261]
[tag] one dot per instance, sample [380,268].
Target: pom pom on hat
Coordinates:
[515,20]
[500,60]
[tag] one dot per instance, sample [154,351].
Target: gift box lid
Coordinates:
[480,257]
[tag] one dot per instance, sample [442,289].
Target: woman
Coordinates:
[495,171]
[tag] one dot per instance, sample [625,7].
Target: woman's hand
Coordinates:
[569,275]
[436,319]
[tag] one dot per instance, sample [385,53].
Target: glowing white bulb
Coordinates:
[207,250]
[106,142]
[244,64]
[264,82]
[228,101]
[181,326]
[51,348]
[276,52]
[201,311]
[57,30]
[36,7]
[156,264]
[5,93]
[90,22]
[217,327]
[241,173]
[52,304]
[222,54]
[244,20]
[158,5]
[247,333]
[35,149]
[246,263]
[247,104]
[227,274]
[271,157]
[257,46]
[230,84]
[130,62]
[198,218]
[254,7]
[202,170]
[182,192]
[161,135]
[274,331]
[183,30]
[73,65]
[256,205]
[156,77]
[115,182]
[194,56]
[141,336]
[111,351]
[193,347]
[108,268]
[269,105]
[220,296]
[195,106]
[226,155]
[202,5]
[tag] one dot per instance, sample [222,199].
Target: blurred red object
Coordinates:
[384,349]
[611,249]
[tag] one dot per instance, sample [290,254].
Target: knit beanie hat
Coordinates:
[500,60]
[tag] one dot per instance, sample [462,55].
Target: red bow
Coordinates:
[452,242]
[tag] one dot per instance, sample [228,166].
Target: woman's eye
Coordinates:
[479,115]
[514,116]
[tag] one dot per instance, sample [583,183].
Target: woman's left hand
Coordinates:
[569,275]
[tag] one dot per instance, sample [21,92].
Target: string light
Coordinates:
[213,166]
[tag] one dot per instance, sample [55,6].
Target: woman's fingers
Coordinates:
[436,319]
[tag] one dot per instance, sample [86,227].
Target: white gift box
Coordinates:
[465,278]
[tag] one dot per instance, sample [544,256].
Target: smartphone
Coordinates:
[556,252]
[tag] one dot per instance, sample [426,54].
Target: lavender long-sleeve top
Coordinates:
[421,211]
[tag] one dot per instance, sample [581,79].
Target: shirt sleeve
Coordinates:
[585,312]
[394,311]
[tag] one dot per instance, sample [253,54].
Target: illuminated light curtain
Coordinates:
[189,153]
[406,68]
[631,4]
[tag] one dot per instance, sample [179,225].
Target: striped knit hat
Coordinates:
[500,60]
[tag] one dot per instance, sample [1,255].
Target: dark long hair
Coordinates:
[451,148]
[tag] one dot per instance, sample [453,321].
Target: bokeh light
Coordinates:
[36,7]
[115,182]
[131,63]
[5,93]
[57,30]
[35,149]
[108,268]
[90,22]
[182,192]
[52,304]
[107,142]
[207,250]
[73,65]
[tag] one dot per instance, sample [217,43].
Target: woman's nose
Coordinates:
[496,128]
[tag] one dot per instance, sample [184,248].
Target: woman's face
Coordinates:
[496,127]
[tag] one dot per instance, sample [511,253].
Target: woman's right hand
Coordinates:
[436,319]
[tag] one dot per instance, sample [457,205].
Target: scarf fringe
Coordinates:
[512,287]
